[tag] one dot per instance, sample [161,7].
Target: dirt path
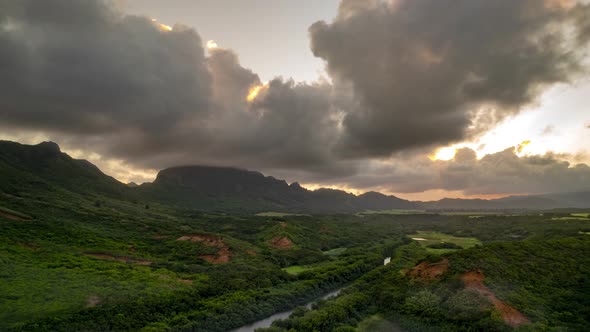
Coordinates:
[12,216]
[120,259]
[474,280]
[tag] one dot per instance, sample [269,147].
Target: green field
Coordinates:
[280,214]
[573,217]
[427,239]
[392,212]
[335,252]
[377,323]
[470,213]
[296,269]
[81,252]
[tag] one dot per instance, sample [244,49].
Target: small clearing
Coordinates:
[282,242]
[335,252]
[429,271]
[120,259]
[222,256]
[160,237]
[427,239]
[474,280]
[297,269]
[280,214]
[93,301]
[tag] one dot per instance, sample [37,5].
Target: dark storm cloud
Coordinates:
[79,67]
[127,87]
[405,78]
[433,72]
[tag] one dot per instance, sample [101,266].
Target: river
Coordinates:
[281,315]
[285,314]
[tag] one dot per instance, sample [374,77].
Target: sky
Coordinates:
[422,99]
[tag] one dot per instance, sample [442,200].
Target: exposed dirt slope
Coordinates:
[223,255]
[474,280]
[429,271]
[281,242]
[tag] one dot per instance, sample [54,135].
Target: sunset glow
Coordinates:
[254,92]
[162,26]
[447,153]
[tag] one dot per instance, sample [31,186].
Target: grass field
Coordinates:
[377,323]
[280,214]
[296,269]
[429,238]
[471,213]
[575,216]
[393,211]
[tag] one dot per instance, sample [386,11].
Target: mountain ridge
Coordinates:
[212,188]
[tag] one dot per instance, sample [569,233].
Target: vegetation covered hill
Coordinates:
[241,190]
[80,251]
[535,285]
[220,189]
[43,167]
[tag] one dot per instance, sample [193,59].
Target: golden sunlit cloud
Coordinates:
[254,91]
[560,4]
[447,153]
[316,186]
[520,147]
[161,26]
[212,44]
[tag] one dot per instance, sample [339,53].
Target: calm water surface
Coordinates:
[281,315]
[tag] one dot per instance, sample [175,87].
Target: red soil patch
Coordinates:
[93,301]
[160,237]
[120,259]
[251,252]
[474,280]
[283,224]
[30,246]
[281,242]
[429,271]
[186,281]
[208,240]
[12,216]
[222,256]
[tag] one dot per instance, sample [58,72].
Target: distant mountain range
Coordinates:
[221,189]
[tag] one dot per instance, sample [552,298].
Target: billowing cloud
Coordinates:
[136,93]
[434,72]
[504,172]
[135,89]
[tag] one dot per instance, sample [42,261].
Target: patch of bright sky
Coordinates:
[558,123]
[270,37]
